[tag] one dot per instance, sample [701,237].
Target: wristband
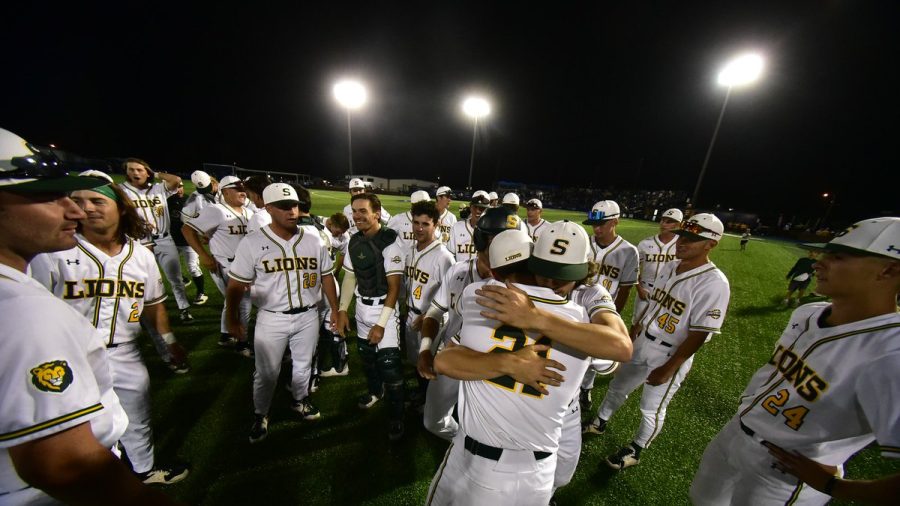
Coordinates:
[168,337]
[386,314]
[828,489]
[425,344]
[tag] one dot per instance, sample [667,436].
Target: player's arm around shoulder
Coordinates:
[525,366]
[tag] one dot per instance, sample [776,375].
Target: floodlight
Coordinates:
[350,94]
[743,70]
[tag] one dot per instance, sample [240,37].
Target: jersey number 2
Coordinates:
[134,316]
[505,334]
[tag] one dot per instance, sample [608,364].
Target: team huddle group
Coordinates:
[506,321]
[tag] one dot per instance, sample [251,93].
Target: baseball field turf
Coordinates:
[202,418]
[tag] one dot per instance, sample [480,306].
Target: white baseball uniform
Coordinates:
[461,244]
[694,300]
[826,393]
[153,207]
[225,227]
[505,451]
[287,278]
[443,391]
[445,224]
[191,209]
[402,223]
[111,293]
[534,231]
[594,299]
[424,271]
[259,220]
[348,212]
[618,267]
[60,378]
[654,254]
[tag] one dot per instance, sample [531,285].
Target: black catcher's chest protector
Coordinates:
[368,262]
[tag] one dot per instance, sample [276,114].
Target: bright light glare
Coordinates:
[742,70]
[350,94]
[476,107]
[825,195]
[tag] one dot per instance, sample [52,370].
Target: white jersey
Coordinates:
[618,264]
[109,291]
[534,231]
[225,229]
[348,212]
[285,274]
[454,281]
[259,220]
[654,254]
[826,391]
[695,300]
[152,206]
[194,204]
[424,271]
[445,224]
[500,412]
[594,299]
[461,244]
[402,223]
[57,377]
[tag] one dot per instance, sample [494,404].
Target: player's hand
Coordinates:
[333,319]
[417,323]
[635,331]
[643,293]
[660,375]
[807,470]
[376,334]
[236,330]
[210,263]
[531,369]
[342,324]
[177,354]
[508,304]
[425,365]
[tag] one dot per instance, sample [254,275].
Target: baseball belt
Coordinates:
[653,338]
[372,302]
[157,236]
[296,310]
[492,452]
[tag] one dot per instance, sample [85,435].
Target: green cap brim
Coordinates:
[553,270]
[63,184]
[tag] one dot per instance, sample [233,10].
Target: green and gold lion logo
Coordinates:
[54,376]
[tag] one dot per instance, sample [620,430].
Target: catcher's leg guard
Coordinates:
[339,352]
[391,371]
[369,355]
[323,350]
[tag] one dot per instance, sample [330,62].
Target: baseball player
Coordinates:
[114,282]
[535,223]
[688,304]
[331,344]
[655,252]
[356,187]
[443,391]
[828,391]
[225,224]
[150,200]
[460,243]
[426,263]
[176,205]
[443,197]
[403,222]
[505,452]
[254,186]
[618,261]
[290,268]
[375,279]
[60,370]
[800,277]
[511,201]
[745,238]
[493,199]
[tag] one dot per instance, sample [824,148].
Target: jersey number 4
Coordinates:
[793,416]
[514,339]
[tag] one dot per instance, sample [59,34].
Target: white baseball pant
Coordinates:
[737,470]
[412,339]
[274,333]
[442,395]
[167,257]
[191,259]
[569,446]
[516,479]
[221,282]
[648,355]
[367,317]
[131,382]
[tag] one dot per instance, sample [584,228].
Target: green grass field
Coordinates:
[202,418]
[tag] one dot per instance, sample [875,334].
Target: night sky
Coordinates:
[610,95]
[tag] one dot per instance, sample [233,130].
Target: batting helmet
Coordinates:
[491,223]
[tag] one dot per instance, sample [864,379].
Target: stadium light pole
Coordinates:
[475,108]
[741,71]
[351,95]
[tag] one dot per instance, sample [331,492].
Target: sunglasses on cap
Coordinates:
[692,227]
[38,165]
[598,215]
[235,186]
